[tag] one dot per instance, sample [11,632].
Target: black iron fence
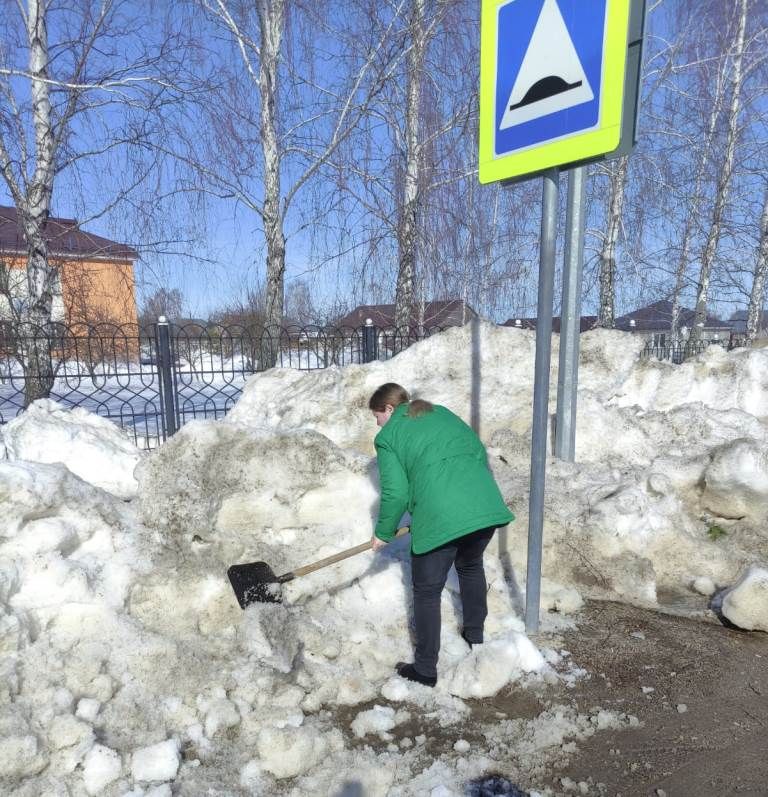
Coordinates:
[152,380]
[684,350]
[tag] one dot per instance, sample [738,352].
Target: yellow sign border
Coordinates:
[577,147]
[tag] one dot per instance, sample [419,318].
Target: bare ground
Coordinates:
[718,746]
[703,714]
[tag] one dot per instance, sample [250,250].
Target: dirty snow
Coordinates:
[127,668]
[93,448]
[745,604]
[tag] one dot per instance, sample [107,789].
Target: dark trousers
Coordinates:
[429,571]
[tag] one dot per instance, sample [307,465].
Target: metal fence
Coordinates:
[684,350]
[152,380]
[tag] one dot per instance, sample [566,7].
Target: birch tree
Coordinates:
[617,184]
[757,294]
[694,209]
[407,228]
[408,188]
[281,114]
[56,101]
[723,182]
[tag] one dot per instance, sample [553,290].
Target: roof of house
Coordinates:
[657,317]
[436,314]
[65,238]
[739,320]
[586,322]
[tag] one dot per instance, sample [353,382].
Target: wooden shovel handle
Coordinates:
[337,557]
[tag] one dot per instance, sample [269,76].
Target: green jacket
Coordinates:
[435,467]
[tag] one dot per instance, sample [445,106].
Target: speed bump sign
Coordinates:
[552,83]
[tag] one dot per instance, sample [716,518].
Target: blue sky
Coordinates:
[215,248]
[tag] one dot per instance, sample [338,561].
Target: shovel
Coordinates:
[256,582]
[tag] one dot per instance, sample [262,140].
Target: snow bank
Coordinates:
[127,668]
[93,448]
[736,481]
[225,493]
[481,371]
[68,553]
[716,378]
[664,452]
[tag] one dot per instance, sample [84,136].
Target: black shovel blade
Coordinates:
[254,582]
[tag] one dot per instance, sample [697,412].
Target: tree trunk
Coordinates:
[272,24]
[723,181]
[41,275]
[692,216]
[407,230]
[606,312]
[757,294]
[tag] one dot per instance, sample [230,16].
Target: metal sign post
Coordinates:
[570,318]
[547,253]
[559,84]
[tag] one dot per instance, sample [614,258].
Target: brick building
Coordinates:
[95,274]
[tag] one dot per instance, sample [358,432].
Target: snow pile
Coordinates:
[225,493]
[745,604]
[93,448]
[716,378]
[68,553]
[127,668]
[736,481]
[665,453]
[489,667]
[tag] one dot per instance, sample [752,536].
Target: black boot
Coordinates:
[469,641]
[409,672]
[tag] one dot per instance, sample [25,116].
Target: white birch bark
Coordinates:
[692,216]
[724,178]
[285,141]
[33,206]
[606,311]
[757,294]
[271,15]
[407,230]
[35,211]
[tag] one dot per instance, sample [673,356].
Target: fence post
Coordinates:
[370,342]
[165,372]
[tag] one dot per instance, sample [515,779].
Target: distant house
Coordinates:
[654,322]
[453,313]
[96,278]
[586,322]
[739,323]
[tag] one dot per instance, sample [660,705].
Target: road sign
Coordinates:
[552,79]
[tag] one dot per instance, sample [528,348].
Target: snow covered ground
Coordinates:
[127,668]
